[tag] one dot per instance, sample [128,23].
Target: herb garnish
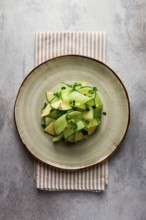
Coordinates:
[57,94]
[95,89]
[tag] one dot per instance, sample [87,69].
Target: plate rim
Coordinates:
[82,56]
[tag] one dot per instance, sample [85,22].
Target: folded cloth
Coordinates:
[49,45]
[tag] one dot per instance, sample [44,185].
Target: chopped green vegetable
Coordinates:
[72,113]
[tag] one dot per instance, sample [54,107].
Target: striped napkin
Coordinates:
[49,45]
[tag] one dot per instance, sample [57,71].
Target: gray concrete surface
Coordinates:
[125,25]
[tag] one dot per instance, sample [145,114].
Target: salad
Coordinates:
[72,113]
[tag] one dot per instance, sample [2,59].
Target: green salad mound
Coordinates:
[72,113]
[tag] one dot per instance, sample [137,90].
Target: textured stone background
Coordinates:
[124,22]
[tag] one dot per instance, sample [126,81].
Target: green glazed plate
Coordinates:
[47,77]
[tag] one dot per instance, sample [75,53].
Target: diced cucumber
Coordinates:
[46,111]
[80,106]
[78,97]
[80,125]
[48,120]
[91,102]
[74,115]
[65,94]
[98,101]
[50,129]
[60,124]
[79,136]
[91,130]
[71,138]
[54,113]
[61,105]
[68,131]
[87,91]
[92,126]
[49,96]
[97,112]
[55,99]
[89,115]
[94,122]
[58,138]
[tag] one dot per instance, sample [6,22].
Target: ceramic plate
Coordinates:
[97,147]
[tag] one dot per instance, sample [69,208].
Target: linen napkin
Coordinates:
[49,45]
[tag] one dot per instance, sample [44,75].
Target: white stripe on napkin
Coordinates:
[49,45]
